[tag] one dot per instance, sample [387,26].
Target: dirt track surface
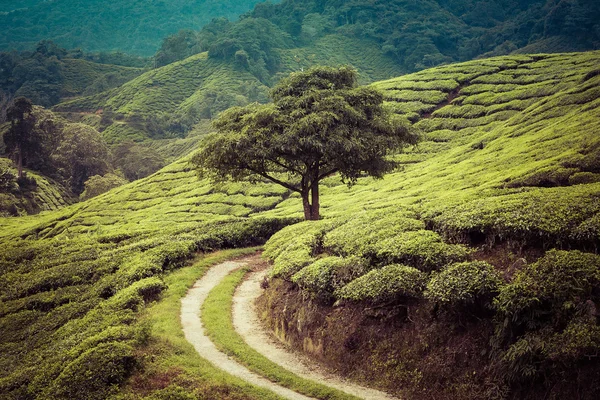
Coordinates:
[194,331]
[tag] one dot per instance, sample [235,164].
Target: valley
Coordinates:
[469,271]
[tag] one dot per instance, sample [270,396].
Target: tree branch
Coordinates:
[286,167]
[275,180]
[327,173]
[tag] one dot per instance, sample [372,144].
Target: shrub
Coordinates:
[549,292]
[360,234]
[462,285]
[547,318]
[584,177]
[388,283]
[97,185]
[94,374]
[422,249]
[294,247]
[280,240]
[325,275]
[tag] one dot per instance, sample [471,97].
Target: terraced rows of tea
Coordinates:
[197,83]
[510,151]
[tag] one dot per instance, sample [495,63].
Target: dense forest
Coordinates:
[416,34]
[50,73]
[136,27]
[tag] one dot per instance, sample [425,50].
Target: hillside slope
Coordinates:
[199,87]
[484,244]
[509,158]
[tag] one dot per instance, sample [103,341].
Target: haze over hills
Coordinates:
[275,39]
[136,27]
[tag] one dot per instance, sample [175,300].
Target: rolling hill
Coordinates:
[200,87]
[507,169]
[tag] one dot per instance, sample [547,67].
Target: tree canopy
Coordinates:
[320,123]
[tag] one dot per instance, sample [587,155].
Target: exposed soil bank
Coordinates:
[400,349]
[408,350]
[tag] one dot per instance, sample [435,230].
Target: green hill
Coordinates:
[193,89]
[83,77]
[35,194]
[508,168]
[199,87]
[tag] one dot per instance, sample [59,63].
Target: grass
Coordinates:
[216,317]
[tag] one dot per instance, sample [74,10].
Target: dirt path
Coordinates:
[247,324]
[194,331]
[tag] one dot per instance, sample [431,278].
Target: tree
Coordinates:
[80,155]
[319,124]
[97,185]
[19,139]
[136,161]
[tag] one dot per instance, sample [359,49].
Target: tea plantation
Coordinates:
[509,158]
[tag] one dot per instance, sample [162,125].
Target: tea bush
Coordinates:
[327,274]
[388,283]
[464,286]
[421,249]
[362,233]
[549,292]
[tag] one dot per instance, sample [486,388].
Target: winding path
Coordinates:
[247,324]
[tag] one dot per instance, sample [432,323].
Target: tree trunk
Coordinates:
[306,206]
[314,190]
[20,163]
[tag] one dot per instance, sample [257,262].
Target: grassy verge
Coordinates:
[216,317]
[170,367]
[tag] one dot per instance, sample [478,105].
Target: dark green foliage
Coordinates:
[177,47]
[251,44]
[80,155]
[51,73]
[392,282]
[547,317]
[136,161]
[97,184]
[319,124]
[19,140]
[464,286]
[549,292]
[100,25]
[422,34]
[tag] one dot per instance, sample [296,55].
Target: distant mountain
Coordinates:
[133,26]
[381,39]
[416,34]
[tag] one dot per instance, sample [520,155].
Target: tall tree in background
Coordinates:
[80,155]
[19,138]
[319,124]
